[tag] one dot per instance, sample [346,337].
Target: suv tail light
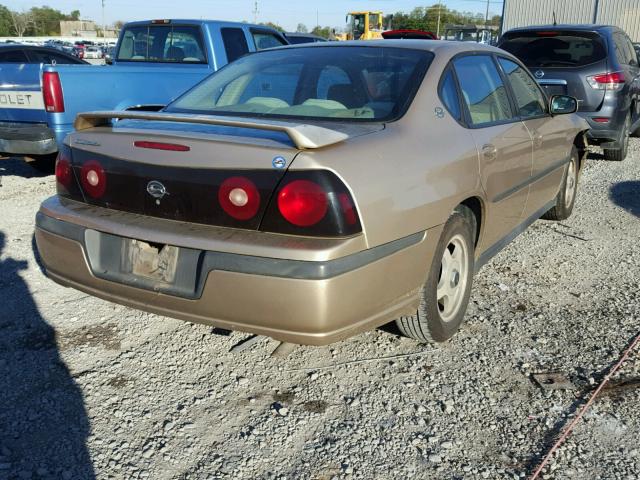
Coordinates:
[52,92]
[313,203]
[607,81]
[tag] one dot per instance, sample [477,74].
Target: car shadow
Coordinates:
[19,167]
[627,195]
[43,422]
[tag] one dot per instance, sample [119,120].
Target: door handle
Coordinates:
[489,151]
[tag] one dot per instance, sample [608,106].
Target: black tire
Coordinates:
[566,198]
[619,154]
[427,324]
[43,163]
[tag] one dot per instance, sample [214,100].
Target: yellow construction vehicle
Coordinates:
[362,26]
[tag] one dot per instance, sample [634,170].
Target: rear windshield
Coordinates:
[555,49]
[345,82]
[162,44]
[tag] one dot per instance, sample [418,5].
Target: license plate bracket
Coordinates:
[151,261]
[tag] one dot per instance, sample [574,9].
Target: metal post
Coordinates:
[596,11]
[255,11]
[486,16]
[438,26]
[104,26]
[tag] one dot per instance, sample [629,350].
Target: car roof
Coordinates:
[435,46]
[22,46]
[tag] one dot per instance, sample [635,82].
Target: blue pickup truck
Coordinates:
[155,61]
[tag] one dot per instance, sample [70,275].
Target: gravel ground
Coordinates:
[89,389]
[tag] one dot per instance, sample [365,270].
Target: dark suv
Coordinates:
[596,64]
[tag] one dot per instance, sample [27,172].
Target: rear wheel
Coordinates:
[445,294]
[566,198]
[619,154]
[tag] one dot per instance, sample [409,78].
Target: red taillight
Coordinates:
[601,119]
[64,175]
[348,210]
[239,198]
[607,81]
[52,92]
[93,179]
[547,34]
[172,147]
[303,203]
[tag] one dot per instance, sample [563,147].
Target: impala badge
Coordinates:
[539,74]
[157,190]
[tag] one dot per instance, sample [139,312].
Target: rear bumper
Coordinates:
[607,132]
[27,139]
[305,302]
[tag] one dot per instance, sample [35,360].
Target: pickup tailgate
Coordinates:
[21,94]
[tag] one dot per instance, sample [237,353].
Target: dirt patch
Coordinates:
[105,336]
[315,406]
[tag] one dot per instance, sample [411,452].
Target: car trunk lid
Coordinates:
[153,165]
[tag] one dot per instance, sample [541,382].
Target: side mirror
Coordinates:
[108,60]
[563,104]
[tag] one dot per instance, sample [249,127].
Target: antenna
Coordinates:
[555,21]
[255,11]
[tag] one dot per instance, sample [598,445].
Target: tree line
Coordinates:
[38,21]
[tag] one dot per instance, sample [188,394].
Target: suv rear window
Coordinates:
[555,48]
[162,44]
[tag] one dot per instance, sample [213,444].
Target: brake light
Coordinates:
[64,174]
[312,203]
[239,197]
[52,92]
[601,119]
[607,81]
[93,179]
[160,22]
[303,203]
[173,147]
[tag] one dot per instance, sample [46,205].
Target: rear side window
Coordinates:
[265,40]
[530,101]
[235,43]
[14,56]
[556,48]
[162,44]
[449,95]
[483,91]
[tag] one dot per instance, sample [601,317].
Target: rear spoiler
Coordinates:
[303,136]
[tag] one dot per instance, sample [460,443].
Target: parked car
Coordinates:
[93,53]
[313,192]
[155,62]
[596,64]
[295,38]
[21,106]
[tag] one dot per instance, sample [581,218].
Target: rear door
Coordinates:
[20,93]
[503,142]
[550,145]
[562,61]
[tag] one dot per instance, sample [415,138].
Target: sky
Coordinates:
[285,13]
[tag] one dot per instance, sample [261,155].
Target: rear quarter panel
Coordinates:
[410,176]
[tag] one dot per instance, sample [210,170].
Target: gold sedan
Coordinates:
[310,193]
